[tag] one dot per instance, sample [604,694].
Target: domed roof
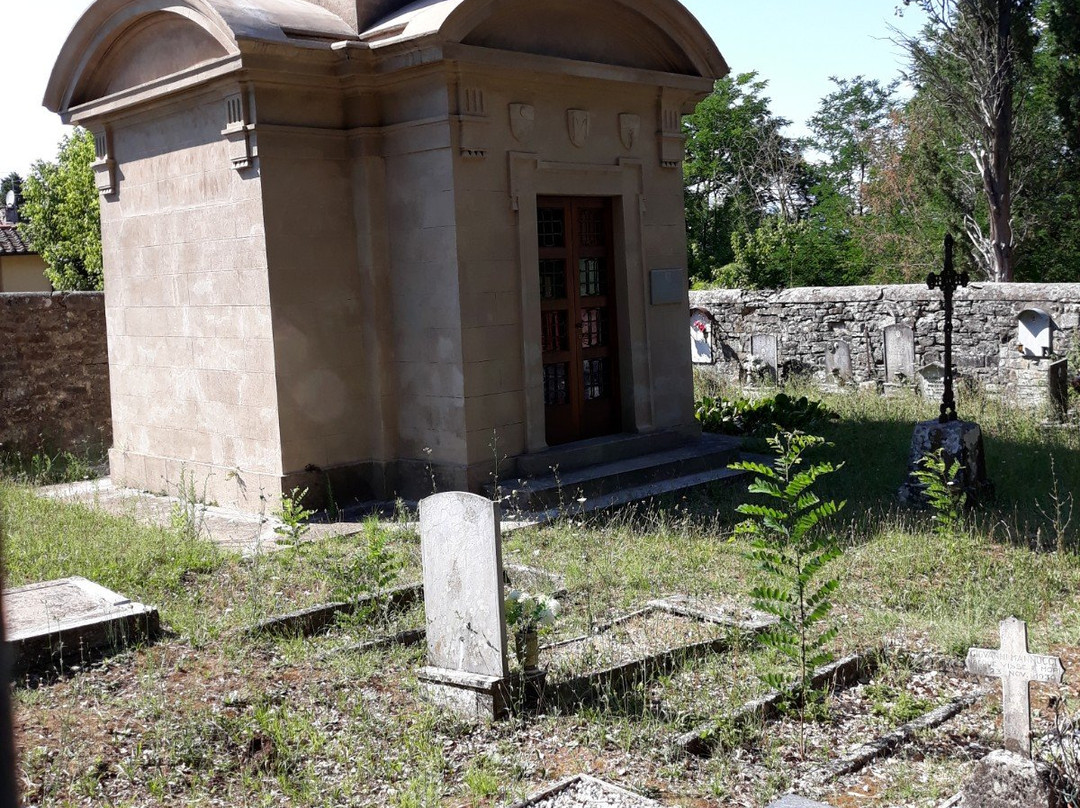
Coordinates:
[102,54]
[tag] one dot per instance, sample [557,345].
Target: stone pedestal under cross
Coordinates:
[1017,669]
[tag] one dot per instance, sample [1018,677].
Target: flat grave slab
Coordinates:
[67,619]
[582,791]
[793,801]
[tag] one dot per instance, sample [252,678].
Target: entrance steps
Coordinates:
[616,470]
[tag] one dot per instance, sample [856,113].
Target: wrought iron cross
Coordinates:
[948,281]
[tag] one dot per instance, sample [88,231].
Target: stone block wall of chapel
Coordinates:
[188,306]
[424,299]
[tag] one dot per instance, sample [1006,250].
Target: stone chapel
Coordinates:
[351,244]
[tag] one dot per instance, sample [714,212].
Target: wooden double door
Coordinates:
[578,318]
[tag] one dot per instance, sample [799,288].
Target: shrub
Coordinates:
[745,417]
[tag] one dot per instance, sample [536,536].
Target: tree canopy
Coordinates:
[60,215]
[987,147]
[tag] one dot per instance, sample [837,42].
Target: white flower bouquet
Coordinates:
[528,611]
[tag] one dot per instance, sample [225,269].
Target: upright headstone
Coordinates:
[899,353]
[1057,385]
[765,349]
[1017,669]
[931,380]
[461,548]
[838,362]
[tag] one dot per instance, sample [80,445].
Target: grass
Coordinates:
[210,716]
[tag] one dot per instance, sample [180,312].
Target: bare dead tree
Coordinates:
[969,62]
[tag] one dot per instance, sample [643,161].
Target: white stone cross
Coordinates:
[1017,669]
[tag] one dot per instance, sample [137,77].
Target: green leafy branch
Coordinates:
[786,544]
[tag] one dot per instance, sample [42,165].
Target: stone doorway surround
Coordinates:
[532,178]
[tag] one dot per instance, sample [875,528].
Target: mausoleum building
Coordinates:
[357,243]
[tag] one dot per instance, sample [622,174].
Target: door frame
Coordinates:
[580,418]
[623,183]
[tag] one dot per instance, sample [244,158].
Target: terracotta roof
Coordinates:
[11,243]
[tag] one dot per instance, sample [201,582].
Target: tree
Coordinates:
[1063,24]
[850,129]
[970,60]
[12,182]
[739,169]
[62,220]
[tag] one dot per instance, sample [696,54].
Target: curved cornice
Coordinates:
[229,22]
[451,21]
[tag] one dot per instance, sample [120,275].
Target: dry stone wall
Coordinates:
[810,323]
[54,372]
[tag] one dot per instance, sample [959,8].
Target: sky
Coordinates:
[796,45]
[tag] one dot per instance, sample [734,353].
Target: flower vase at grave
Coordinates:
[527,649]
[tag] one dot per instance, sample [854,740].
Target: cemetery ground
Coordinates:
[213,714]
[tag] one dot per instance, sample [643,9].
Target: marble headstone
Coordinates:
[701,338]
[838,362]
[899,352]
[766,349]
[461,548]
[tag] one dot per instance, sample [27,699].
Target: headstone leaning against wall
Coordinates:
[899,353]
[461,547]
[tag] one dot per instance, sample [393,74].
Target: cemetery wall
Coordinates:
[54,371]
[809,323]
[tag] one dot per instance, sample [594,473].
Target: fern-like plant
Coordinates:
[943,490]
[789,546]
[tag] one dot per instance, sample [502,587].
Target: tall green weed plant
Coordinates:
[788,544]
[944,491]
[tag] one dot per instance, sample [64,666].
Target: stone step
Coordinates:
[626,479]
[598,451]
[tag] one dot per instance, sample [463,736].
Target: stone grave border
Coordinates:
[638,800]
[314,619]
[837,675]
[867,753]
[573,692]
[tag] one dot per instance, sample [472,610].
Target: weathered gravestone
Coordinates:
[461,547]
[899,353]
[793,801]
[838,362]
[1057,378]
[764,357]
[931,380]
[69,619]
[1017,669]
[1005,779]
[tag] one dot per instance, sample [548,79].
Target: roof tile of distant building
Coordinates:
[11,243]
